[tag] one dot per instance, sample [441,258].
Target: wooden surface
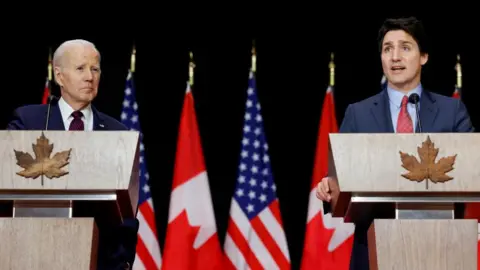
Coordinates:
[48,243]
[99,161]
[371,162]
[423,244]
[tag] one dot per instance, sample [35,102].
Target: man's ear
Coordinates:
[57,73]
[424,58]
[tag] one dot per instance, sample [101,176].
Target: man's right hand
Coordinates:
[327,189]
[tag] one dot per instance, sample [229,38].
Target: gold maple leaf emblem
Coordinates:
[427,168]
[42,164]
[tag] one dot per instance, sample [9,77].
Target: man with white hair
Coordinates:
[76,65]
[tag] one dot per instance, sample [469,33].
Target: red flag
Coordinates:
[46,92]
[328,240]
[456,93]
[191,239]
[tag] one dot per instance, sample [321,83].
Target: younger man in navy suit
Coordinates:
[76,65]
[403,50]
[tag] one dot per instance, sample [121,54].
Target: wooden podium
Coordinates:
[421,177]
[55,187]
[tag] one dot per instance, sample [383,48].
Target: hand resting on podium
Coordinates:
[327,190]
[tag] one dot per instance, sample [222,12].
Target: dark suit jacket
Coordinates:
[117,245]
[437,114]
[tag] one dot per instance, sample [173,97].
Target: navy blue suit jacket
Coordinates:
[117,245]
[437,114]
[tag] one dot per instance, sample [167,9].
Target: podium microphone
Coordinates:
[415,99]
[50,98]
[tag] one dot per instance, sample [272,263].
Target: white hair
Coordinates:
[60,51]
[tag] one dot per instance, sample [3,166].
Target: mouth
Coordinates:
[397,69]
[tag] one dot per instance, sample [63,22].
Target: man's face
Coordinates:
[401,60]
[79,74]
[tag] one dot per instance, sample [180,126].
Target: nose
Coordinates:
[88,75]
[396,54]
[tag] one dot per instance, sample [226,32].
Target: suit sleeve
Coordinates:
[16,122]
[348,123]
[347,126]
[463,122]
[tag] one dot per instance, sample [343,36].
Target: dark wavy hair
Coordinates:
[411,25]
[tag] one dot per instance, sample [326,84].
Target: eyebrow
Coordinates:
[402,42]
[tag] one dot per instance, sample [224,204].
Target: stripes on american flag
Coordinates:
[148,254]
[255,236]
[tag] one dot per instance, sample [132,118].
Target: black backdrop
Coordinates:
[292,73]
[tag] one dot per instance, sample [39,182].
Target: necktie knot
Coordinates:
[77,123]
[404,101]
[404,122]
[77,114]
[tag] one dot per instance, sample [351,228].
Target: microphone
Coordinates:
[415,99]
[50,99]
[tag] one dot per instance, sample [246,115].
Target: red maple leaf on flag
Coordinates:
[185,251]
[191,240]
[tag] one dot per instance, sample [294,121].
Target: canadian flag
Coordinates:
[456,93]
[328,240]
[46,92]
[191,239]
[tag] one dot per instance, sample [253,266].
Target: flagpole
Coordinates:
[49,64]
[458,67]
[331,65]
[191,67]
[133,59]
[254,57]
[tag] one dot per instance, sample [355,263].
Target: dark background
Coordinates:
[292,72]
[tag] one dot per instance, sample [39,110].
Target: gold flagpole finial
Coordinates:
[458,67]
[50,64]
[254,57]
[191,67]
[133,59]
[331,65]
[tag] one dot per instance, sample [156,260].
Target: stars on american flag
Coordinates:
[129,117]
[255,188]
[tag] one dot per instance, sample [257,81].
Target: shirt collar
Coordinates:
[397,96]
[67,110]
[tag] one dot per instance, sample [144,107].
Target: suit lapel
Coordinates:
[381,112]
[428,111]
[98,121]
[56,121]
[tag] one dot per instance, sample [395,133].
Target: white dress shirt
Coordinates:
[396,104]
[67,117]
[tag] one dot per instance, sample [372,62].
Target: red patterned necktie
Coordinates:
[77,122]
[404,123]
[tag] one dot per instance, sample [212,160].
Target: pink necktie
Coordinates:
[404,123]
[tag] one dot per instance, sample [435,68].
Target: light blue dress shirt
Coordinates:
[395,101]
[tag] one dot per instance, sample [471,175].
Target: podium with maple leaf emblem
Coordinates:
[57,188]
[417,182]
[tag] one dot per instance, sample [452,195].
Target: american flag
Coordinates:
[255,237]
[148,251]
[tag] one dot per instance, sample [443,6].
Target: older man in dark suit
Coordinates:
[76,65]
[403,49]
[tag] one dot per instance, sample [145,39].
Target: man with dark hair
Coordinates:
[411,26]
[404,51]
